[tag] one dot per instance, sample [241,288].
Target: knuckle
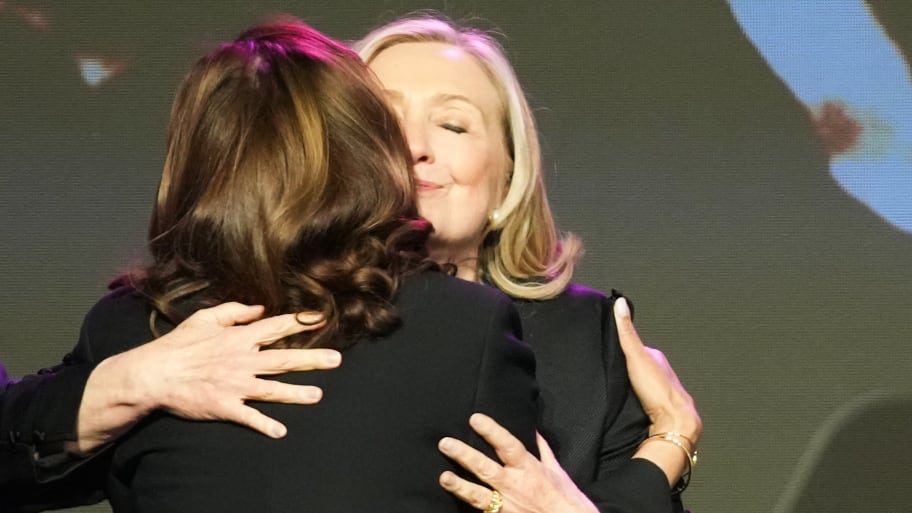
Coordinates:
[267,359]
[488,470]
[265,390]
[515,452]
[281,362]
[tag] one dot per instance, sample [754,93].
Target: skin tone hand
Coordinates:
[205,369]
[532,486]
[526,484]
[669,407]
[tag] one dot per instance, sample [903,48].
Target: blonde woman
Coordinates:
[478,171]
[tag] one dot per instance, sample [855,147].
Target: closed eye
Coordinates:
[453,128]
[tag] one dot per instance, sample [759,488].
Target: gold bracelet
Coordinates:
[675,438]
[684,437]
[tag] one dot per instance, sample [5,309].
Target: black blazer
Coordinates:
[587,408]
[369,445]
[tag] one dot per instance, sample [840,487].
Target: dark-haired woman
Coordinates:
[288,184]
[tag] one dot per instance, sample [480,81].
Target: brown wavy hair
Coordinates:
[287,184]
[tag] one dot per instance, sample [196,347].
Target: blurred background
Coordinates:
[741,170]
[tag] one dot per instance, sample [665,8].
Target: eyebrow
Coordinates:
[448,97]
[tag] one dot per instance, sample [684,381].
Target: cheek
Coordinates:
[492,179]
[465,158]
[425,208]
[481,177]
[497,183]
[458,215]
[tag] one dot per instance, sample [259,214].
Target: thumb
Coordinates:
[629,339]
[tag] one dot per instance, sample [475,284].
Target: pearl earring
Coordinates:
[495,215]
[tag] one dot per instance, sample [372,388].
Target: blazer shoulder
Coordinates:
[581,293]
[117,322]
[579,313]
[443,289]
[120,304]
[456,313]
[575,298]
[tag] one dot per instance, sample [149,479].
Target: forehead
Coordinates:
[427,69]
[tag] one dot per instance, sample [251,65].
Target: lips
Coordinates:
[425,186]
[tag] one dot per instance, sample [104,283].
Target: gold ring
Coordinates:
[496,502]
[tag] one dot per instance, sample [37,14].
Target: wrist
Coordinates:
[574,501]
[688,425]
[674,453]
[111,403]
[122,379]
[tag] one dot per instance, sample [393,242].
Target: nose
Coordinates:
[418,142]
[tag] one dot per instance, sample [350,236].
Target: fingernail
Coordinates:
[621,308]
[278,431]
[446,479]
[332,358]
[446,444]
[308,318]
[314,394]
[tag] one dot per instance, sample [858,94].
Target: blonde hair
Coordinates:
[521,252]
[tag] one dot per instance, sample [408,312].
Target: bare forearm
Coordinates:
[670,407]
[113,401]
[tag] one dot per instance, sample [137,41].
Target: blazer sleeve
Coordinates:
[639,486]
[38,415]
[507,391]
[623,484]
